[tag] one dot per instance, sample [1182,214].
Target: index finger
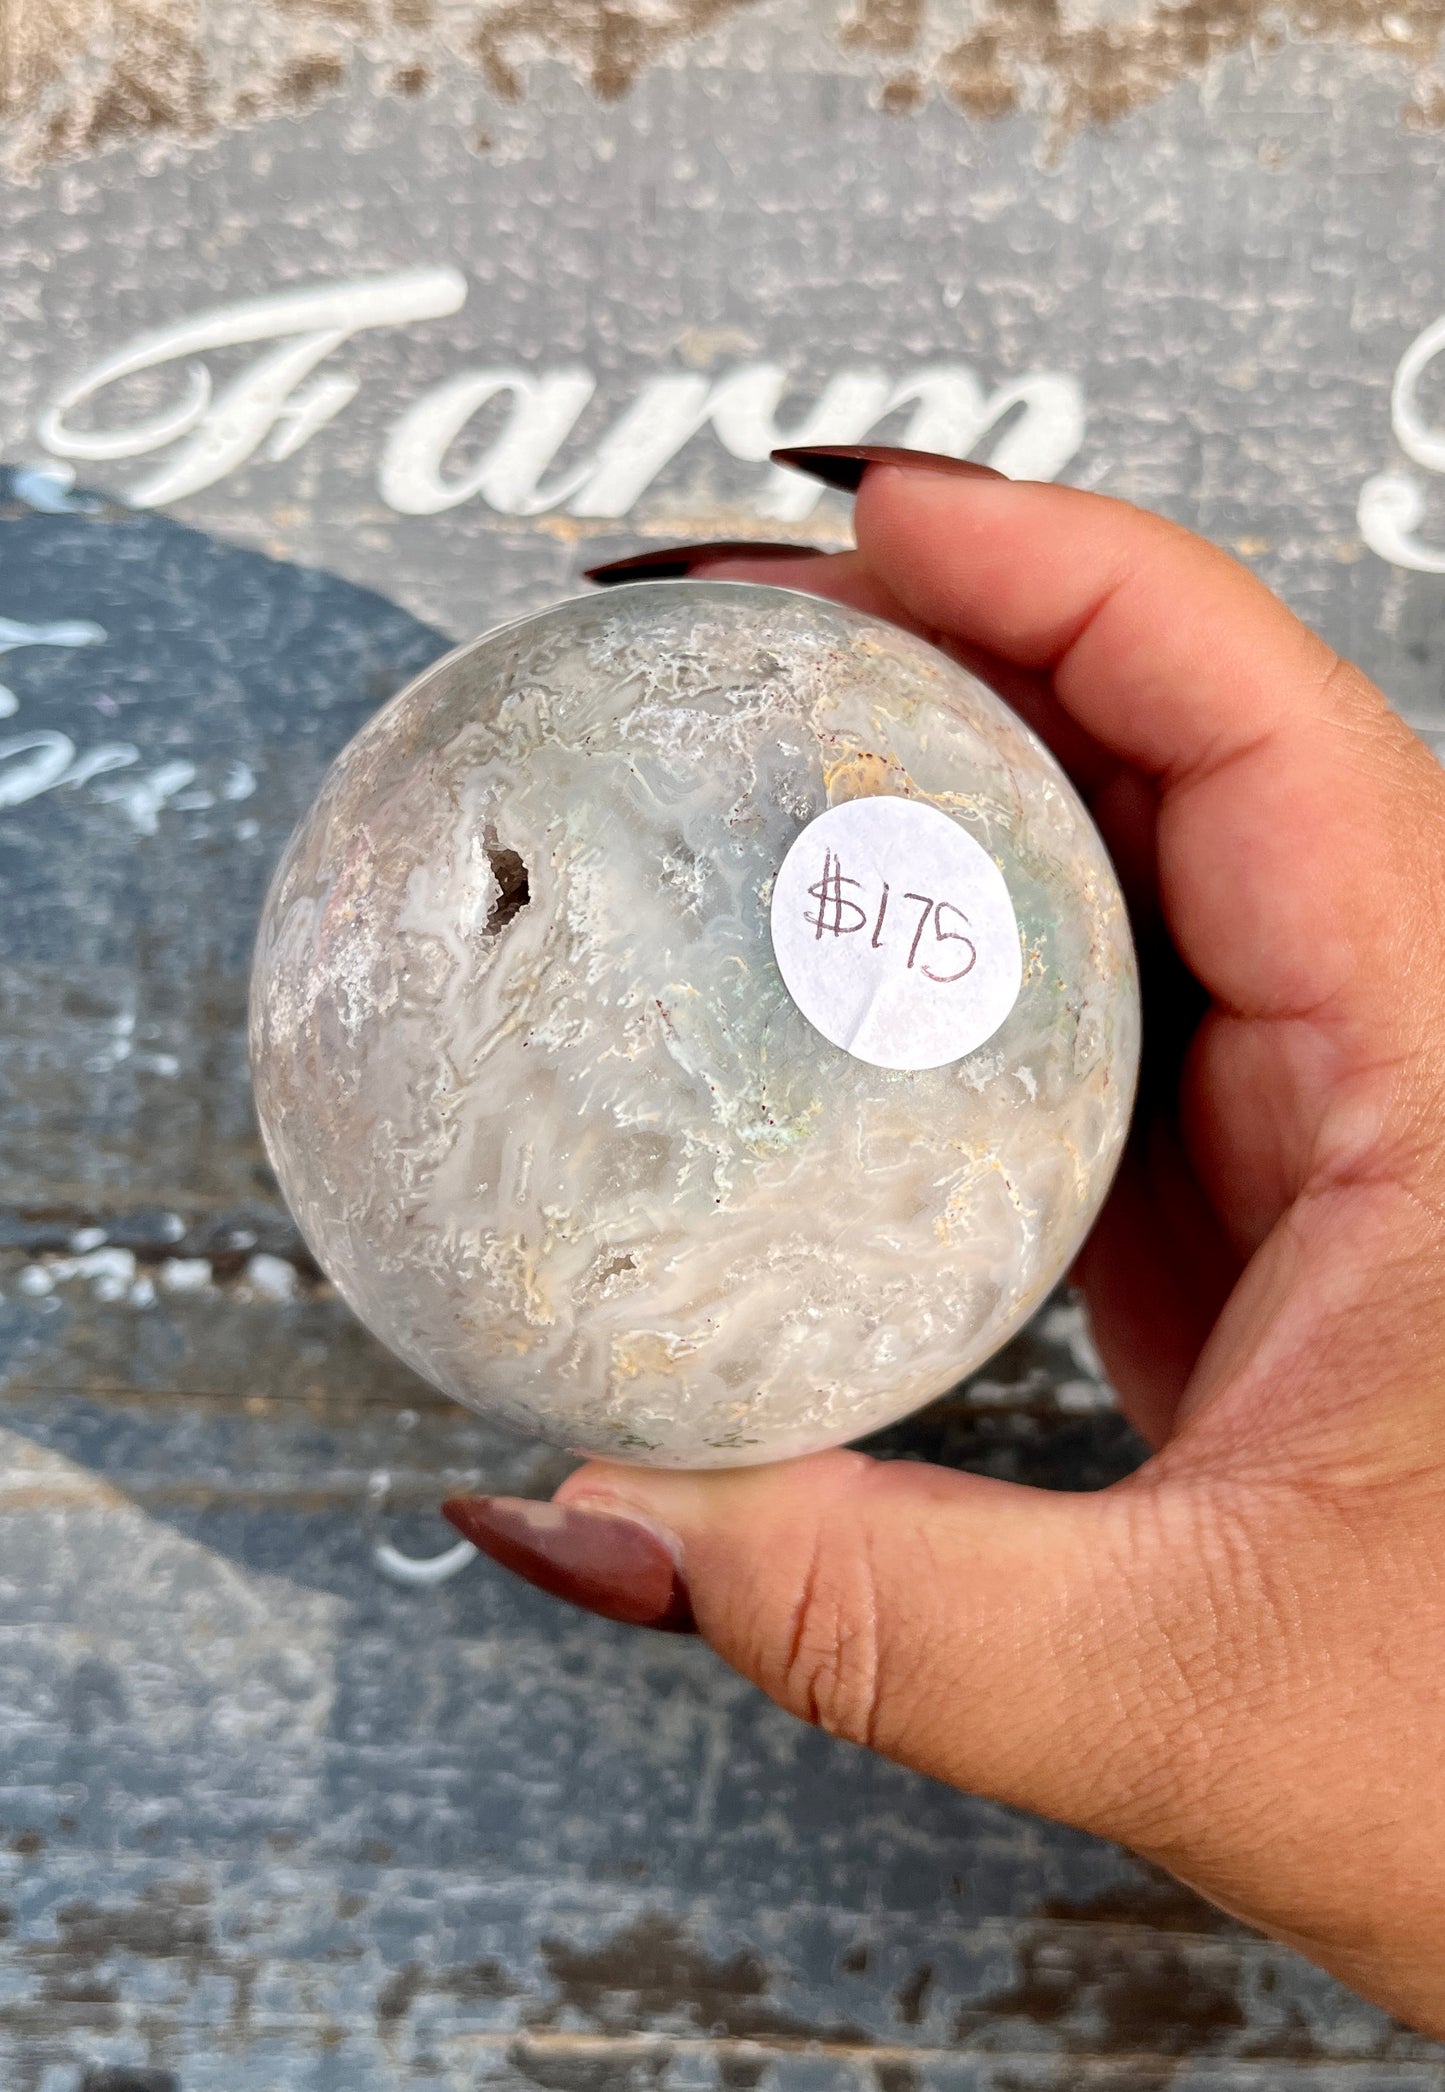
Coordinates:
[1300,823]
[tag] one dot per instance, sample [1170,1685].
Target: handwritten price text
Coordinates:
[839,915]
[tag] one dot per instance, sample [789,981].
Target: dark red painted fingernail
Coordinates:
[844,464]
[608,1562]
[672,562]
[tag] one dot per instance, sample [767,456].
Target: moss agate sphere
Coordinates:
[538,1095]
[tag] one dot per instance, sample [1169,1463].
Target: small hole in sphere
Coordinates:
[513,890]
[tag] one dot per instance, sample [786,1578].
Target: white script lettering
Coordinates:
[224,431]
[1392,504]
[14,633]
[1033,425]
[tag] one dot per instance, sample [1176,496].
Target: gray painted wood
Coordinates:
[269,1822]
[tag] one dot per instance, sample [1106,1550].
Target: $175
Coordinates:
[839,915]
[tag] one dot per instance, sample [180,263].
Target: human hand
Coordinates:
[1231,1660]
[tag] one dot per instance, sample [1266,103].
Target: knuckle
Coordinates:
[828,1669]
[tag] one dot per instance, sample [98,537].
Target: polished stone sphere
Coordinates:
[532,1078]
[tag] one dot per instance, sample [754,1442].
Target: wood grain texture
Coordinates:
[269,1823]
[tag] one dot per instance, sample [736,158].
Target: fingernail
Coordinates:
[672,562]
[608,1562]
[844,464]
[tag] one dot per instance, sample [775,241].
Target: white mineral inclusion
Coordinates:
[536,1091]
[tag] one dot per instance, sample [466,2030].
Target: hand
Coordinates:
[1234,1661]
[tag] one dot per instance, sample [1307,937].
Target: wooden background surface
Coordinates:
[269,1821]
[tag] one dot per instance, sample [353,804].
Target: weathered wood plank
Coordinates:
[269,1822]
[424,1832]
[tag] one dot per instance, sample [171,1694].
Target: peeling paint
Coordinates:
[1028,55]
[268,1280]
[78,76]
[395,1795]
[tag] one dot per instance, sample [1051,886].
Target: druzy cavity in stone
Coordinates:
[540,1100]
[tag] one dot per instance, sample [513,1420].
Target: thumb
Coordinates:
[1000,1638]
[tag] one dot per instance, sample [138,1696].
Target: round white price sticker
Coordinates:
[895,934]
